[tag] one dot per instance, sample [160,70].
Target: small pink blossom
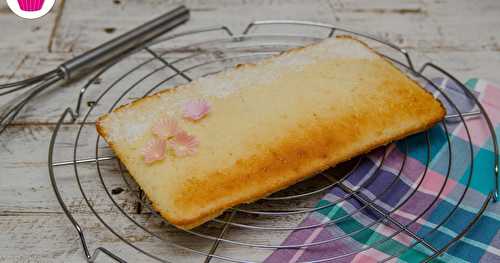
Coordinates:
[154,150]
[196,109]
[166,128]
[183,144]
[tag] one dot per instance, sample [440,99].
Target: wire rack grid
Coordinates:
[246,233]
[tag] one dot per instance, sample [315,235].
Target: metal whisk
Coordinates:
[87,62]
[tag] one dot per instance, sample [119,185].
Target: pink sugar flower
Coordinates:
[183,144]
[196,109]
[166,128]
[154,150]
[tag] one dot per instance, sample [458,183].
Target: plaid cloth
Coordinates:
[390,188]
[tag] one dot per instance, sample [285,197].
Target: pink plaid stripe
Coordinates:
[432,183]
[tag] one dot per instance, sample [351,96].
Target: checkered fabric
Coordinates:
[432,191]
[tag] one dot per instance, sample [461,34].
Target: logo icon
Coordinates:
[30,9]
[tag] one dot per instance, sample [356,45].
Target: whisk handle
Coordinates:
[130,40]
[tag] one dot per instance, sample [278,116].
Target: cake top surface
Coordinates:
[241,134]
[230,81]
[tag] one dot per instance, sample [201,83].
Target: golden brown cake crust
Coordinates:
[313,140]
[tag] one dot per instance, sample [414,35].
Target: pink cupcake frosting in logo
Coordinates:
[30,5]
[31,9]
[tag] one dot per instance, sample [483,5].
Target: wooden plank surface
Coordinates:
[462,36]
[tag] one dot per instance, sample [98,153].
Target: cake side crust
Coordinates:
[289,160]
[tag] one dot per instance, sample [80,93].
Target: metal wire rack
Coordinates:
[243,233]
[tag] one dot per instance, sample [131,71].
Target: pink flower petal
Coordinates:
[196,109]
[184,144]
[166,128]
[154,150]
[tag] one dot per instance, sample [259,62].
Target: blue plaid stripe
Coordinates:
[480,244]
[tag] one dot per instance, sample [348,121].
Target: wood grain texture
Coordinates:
[462,36]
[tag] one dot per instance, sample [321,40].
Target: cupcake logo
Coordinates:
[30,9]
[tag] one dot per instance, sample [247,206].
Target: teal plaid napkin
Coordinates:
[434,202]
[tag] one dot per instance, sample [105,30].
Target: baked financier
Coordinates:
[240,135]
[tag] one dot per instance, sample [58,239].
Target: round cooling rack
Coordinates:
[116,219]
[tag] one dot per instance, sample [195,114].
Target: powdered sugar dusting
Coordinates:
[334,48]
[225,83]
[120,127]
[228,82]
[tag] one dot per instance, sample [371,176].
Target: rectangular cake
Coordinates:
[240,135]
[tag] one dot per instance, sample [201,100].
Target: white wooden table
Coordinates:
[460,35]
